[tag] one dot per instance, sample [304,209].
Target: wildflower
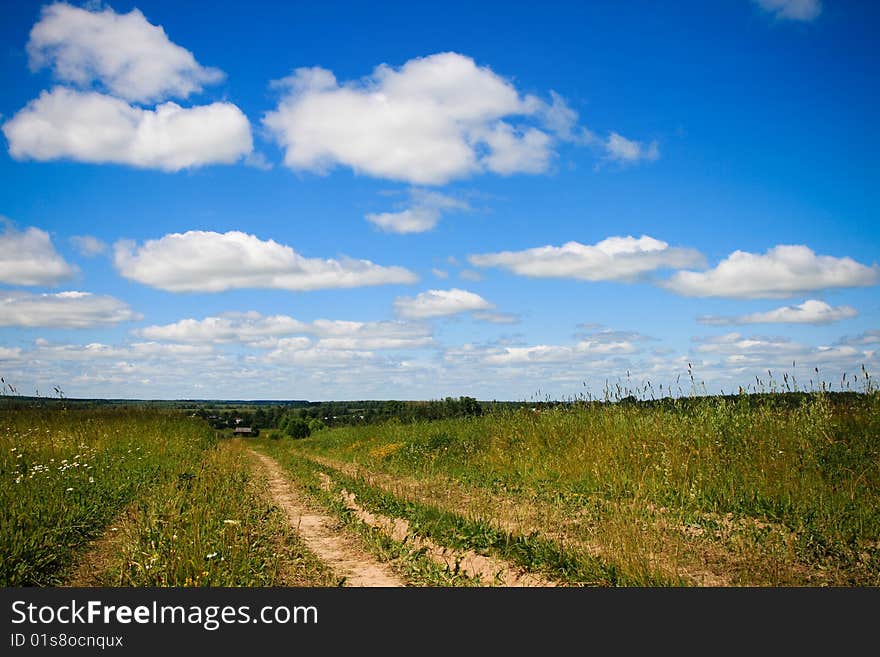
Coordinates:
[210,556]
[91,480]
[68,490]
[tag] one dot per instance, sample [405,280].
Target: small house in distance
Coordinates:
[244,431]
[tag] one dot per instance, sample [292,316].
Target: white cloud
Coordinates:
[871,336]
[424,212]
[621,149]
[204,261]
[28,257]
[126,54]
[435,119]
[62,310]
[496,317]
[285,332]
[785,270]
[593,348]
[741,347]
[470,275]
[795,10]
[87,245]
[134,351]
[612,259]
[439,273]
[440,303]
[92,127]
[811,311]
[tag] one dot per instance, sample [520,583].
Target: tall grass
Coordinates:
[804,478]
[213,526]
[65,473]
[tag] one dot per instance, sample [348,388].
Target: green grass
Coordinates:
[213,526]
[413,565]
[64,474]
[755,493]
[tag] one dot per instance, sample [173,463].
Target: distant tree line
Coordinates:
[305,419]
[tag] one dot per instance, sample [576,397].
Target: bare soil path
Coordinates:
[484,569]
[319,532]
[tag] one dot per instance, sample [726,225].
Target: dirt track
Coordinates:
[319,532]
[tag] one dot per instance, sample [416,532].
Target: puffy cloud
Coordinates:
[87,245]
[440,303]
[795,10]
[279,331]
[124,53]
[613,259]
[62,310]
[28,257]
[92,127]
[424,212]
[811,311]
[204,261]
[435,119]
[623,150]
[785,270]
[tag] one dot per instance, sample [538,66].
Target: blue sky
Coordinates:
[343,201]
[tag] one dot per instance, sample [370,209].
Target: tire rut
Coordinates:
[318,531]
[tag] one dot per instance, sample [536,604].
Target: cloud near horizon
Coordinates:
[206,261]
[62,310]
[811,311]
[440,303]
[623,259]
[262,331]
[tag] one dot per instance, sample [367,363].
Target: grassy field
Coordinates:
[176,507]
[701,491]
[740,491]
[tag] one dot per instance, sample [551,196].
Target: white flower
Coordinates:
[211,556]
[68,490]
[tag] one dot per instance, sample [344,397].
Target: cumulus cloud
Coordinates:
[440,303]
[92,127]
[784,270]
[28,257]
[285,332]
[794,10]
[123,53]
[424,211]
[205,261]
[811,311]
[613,259]
[434,119]
[87,245]
[62,310]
